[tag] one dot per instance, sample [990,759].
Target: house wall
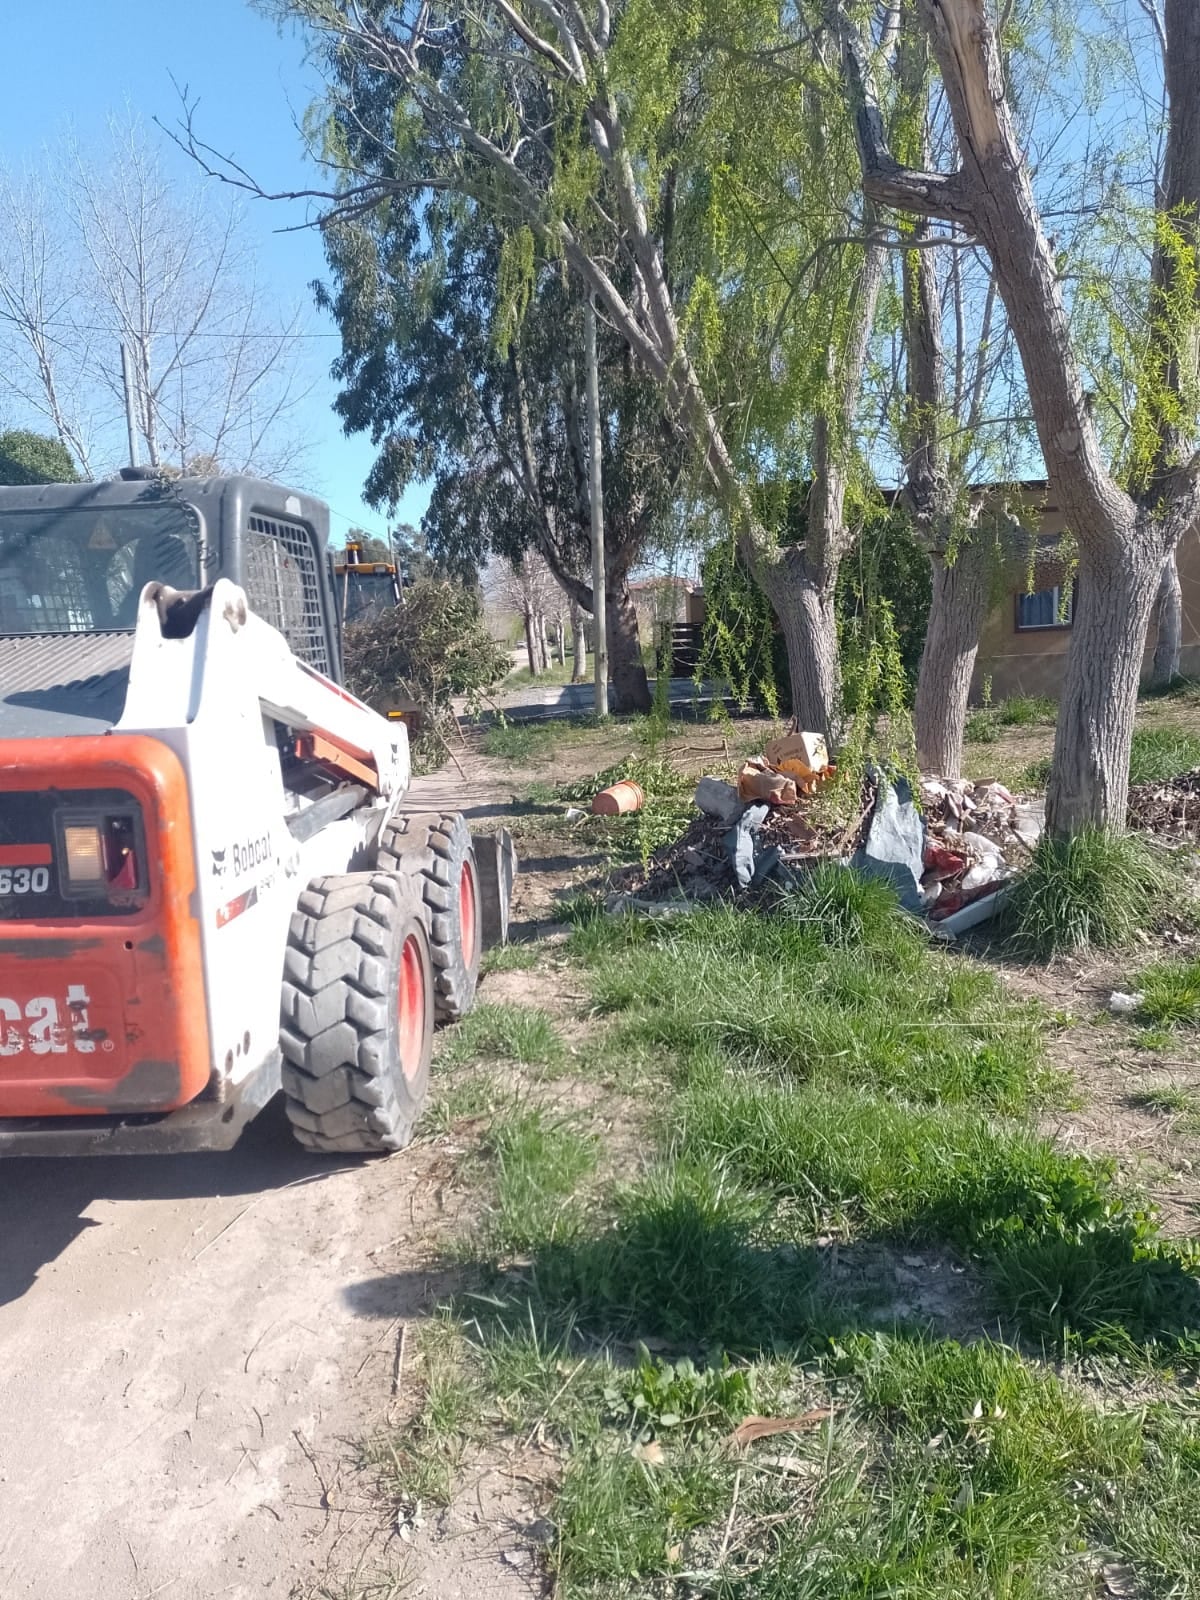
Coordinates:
[1034,662]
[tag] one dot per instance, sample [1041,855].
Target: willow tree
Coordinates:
[1124,525]
[691,168]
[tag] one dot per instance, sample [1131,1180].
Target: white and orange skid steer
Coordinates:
[208,890]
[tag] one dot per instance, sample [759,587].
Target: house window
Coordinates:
[1045,609]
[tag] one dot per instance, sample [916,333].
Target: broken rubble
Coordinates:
[719,799]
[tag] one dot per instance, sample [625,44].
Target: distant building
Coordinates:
[1023,644]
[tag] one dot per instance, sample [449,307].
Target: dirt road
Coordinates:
[188,1350]
[191,1349]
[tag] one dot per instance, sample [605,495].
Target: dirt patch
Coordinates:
[1105,1074]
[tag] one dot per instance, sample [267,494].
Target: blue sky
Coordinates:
[77,61]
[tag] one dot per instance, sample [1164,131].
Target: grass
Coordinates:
[1093,891]
[1171,994]
[1160,753]
[420,1464]
[983,726]
[768,992]
[518,742]
[828,1092]
[540,1161]
[499,1032]
[510,958]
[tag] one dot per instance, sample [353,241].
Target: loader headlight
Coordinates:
[102,853]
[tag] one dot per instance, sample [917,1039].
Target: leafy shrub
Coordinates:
[433,648]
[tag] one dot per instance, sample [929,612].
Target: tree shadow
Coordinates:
[688,1263]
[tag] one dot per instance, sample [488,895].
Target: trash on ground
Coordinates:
[1170,808]
[949,850]
[1124,1005]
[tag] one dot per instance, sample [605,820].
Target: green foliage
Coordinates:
[540,1162]
[876,702]
[1171,994]
[740,644]
[1093,891]
[522,1034]
[662,1394]
[34,458]
[766,991]
[433,648]
[887,564]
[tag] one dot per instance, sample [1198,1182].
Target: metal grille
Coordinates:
[283,586]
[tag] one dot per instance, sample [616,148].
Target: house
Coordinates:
[1023,644]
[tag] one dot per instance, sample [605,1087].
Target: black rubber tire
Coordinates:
[434,850]
[353,940]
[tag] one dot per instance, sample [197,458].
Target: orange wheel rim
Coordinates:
[412,1006]
[468,916]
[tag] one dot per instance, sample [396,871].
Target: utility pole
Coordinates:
[130,424]
[596,496]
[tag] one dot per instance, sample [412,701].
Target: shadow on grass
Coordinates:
[691,1258]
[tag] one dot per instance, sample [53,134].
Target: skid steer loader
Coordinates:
[208,890]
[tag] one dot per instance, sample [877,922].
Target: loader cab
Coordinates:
[74,559]
[364,589]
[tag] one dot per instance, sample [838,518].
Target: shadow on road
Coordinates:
[42,1199]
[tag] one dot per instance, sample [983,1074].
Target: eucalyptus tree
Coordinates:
[462,358]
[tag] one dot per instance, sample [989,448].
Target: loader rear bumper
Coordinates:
[203,1125]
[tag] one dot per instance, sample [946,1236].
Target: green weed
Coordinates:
[1035,776]
[848,910]
[510,958]
[1093,891]
[1166,1099]
[517,742]
[1026,711]
[661,1395]
[770,994]
[421,1462]
[686,1257]
[875,1165]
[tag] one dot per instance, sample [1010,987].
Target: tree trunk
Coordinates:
[1089,779]
[1168,609]
[578,645]
[804,607]
[560,645]
[958,608]
[631,687]
[531,645]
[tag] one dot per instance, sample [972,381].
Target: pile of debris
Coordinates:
[948,857]
[976,836]
[1170,809]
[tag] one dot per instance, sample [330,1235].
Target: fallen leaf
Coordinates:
[766,1427]
[651,1453]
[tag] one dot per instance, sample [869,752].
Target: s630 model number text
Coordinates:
[24,880]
